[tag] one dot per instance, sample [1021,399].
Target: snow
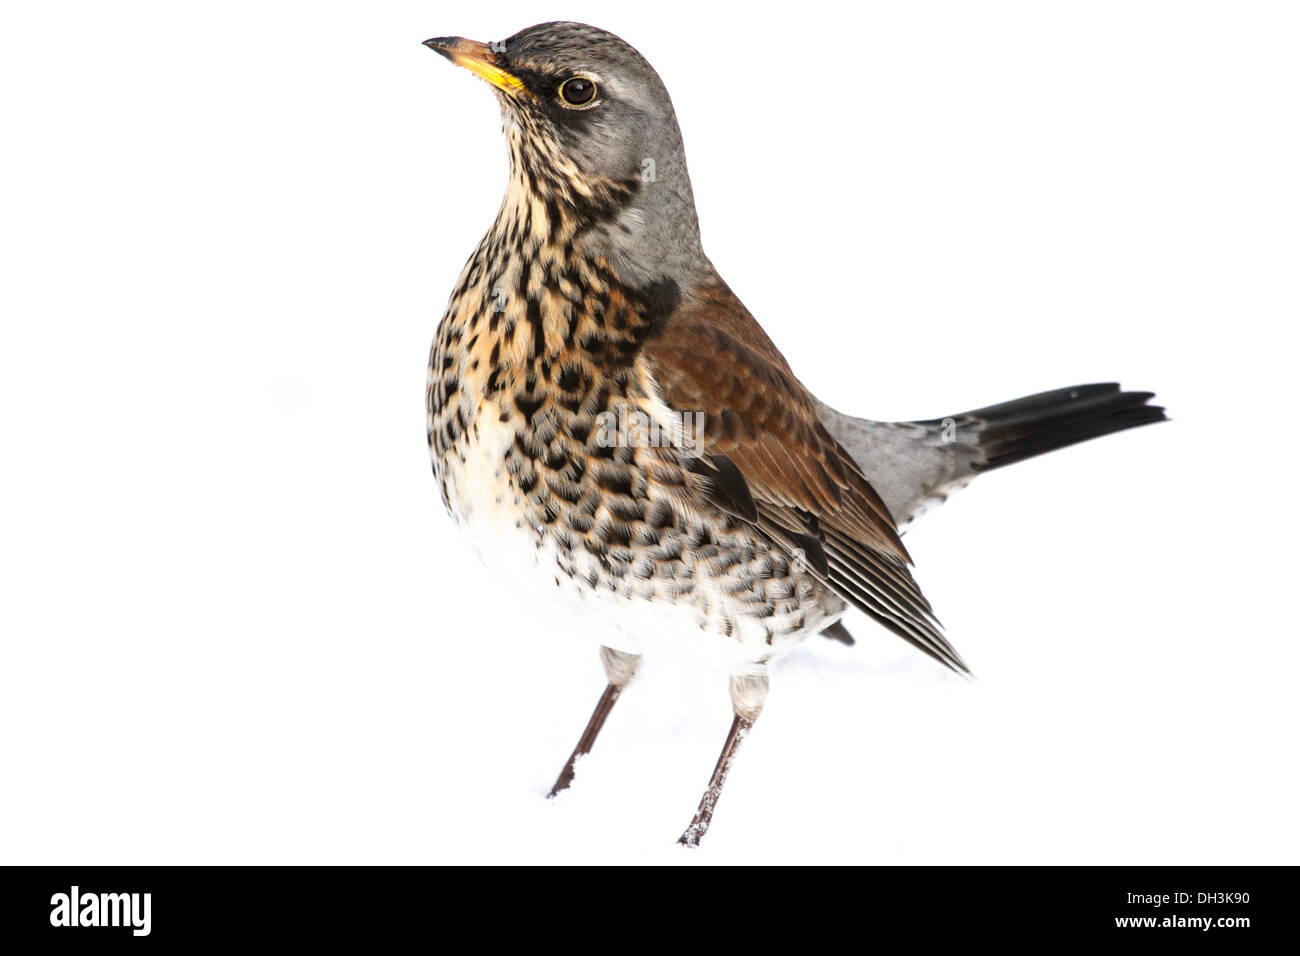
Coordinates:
[238,628]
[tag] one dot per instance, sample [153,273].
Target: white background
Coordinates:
[238,626]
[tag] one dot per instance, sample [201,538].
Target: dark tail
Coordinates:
[1036,424]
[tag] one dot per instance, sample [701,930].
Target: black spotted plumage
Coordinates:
[603,407]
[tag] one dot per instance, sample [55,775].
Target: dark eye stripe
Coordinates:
[577,91]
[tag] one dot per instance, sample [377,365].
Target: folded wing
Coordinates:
[761,427]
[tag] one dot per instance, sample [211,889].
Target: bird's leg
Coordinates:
[619,669]
[748,692]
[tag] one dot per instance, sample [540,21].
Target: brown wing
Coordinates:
[711,356]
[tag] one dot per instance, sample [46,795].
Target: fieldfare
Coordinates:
[609,423]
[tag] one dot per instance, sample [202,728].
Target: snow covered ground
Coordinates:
[237,626]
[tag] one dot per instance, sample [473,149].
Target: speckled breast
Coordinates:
[529,397]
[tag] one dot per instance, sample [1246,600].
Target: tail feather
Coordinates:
[1026,427]
[913,465]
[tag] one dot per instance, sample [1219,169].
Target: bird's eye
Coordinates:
[577,91]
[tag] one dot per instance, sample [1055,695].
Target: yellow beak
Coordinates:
[476,57]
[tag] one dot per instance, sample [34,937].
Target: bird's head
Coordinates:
[593,138]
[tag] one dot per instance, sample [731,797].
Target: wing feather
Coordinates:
[711,356]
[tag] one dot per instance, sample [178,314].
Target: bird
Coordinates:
[613,430]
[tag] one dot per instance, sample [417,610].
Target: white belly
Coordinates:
[488,509]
